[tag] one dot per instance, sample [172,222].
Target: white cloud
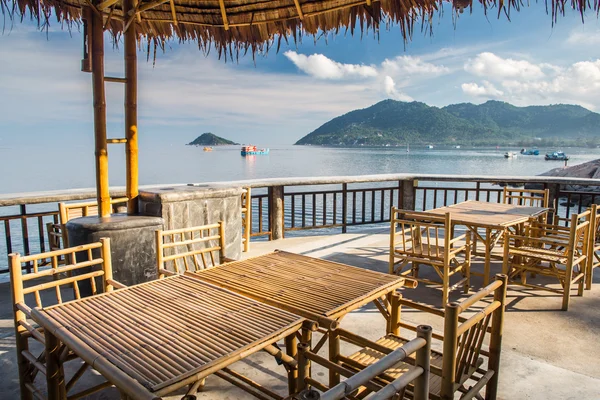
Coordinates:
[413,66]
[578,37]
[321,67]
[392,75]
[577,83]
[392,91]
[485,90]
[490,65]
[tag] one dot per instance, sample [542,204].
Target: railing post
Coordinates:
[276,212]
[408,194]
[554,194]
[344,206]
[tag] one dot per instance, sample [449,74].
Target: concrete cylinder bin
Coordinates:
[132,244]
[188,206]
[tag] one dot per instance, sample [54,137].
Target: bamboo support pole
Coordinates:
[334,352]
[291,348]
[450,345]
[131,123]
[107,265]
[303,366]
[397,385]
[422,358]
[496,338]
[102,191]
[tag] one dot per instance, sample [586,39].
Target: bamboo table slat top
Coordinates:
[166,332]
[494,215]
[303,285]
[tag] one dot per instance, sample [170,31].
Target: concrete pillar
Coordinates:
[133,251]
[408,194]
[276,212]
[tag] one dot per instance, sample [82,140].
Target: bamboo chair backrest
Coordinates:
[421,234]
[190,249]
[463,342]
[89,256]
[575,234]
[57,233]
[526,197]
[68,211]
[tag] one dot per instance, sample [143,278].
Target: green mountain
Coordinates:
[391,122]
[209,139]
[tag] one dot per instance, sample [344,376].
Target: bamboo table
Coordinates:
[319,290]
[154,338]
[494,218]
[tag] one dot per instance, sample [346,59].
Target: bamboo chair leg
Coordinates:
[445,284]
[23,345]
[581,282]
[567,286]
[55,379]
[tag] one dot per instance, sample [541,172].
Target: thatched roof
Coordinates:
[241,25]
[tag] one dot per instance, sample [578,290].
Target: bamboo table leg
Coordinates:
[489,244]
[291,349]
[394,313]
[55,379]
[334,352]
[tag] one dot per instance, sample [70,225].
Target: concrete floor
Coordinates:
[546,353]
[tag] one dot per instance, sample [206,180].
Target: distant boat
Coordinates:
[457,146]
[534,152]
[208,149]
[510,154]
[430,146]
[252,150]
[407,148]
[556,156]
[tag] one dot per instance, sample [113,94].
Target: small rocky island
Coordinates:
[210,139]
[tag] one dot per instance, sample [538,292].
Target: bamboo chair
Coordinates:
[246,219]
[367,379]
[526,197]
[547,250]
[464,365]
[57,232]
[422,238]
[190,249]
[97,256]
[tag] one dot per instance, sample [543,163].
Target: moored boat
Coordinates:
[510,154]
[533,152]
[556,156]
[208,149]
[252,150]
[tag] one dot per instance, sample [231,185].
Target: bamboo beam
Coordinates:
[172,4]
[299,9]
[97,39]
[106,4]
[224,15]
[131,128]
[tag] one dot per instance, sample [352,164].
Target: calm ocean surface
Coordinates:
[188,164]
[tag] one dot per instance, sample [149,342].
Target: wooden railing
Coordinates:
[352,204]
[298,204]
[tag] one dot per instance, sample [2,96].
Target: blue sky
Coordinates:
[280,97]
